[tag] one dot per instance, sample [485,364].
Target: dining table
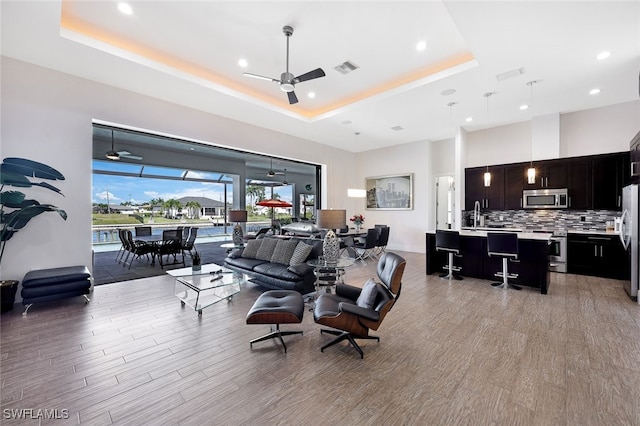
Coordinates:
[152,240]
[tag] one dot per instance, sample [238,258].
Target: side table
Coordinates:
[328,274]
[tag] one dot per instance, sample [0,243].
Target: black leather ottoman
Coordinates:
[277,307]
[42,285]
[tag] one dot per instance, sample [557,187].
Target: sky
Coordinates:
[141,190]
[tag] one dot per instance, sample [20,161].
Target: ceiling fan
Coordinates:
[272,173]
[116,155]
[287,81]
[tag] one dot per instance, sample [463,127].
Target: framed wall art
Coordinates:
[391,192]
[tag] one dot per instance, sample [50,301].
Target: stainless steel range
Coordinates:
[558,252]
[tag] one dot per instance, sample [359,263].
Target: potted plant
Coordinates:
[16,210]
[196,261]
[358,220]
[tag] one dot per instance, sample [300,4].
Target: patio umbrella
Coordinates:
[273,204]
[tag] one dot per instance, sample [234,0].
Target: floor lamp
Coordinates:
[237,216]
[331,220]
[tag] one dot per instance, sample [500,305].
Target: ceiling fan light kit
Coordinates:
[112,154]
[287,80]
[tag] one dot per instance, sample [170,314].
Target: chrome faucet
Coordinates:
[476,214]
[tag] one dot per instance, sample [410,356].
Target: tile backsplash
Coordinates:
[583,220]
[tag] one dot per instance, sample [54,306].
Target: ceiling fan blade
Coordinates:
[127,154]
[293,99]
[260,77]
[317,73]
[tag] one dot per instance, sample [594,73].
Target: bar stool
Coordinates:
[505,246]
[449,241]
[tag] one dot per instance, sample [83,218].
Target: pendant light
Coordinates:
[487,174]
[531,171]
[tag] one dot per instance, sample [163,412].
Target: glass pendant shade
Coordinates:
[531,175]
[487,179]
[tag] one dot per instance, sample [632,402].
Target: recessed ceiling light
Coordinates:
[603,55]
[468,119]
[523,107]
[347,122]
[594,91]
[243,63]
[448,92]
[125,8]
[311,95]
[421,45]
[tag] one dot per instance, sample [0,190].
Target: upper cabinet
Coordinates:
[610,174]
[490,197]
[550,174]
[515,177]
[594,182]
[580,184]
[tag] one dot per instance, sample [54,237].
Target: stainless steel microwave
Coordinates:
[545,198]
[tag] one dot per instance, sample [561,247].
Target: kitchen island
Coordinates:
[532,265]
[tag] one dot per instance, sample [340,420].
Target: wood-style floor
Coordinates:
[456,352]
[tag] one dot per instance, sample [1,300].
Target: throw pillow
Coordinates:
[368,294]
[266,249]
[300,254]
[251,249]
[283,252]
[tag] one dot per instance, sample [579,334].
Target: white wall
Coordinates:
[46,117]
[600,130]
[590,132]
[408,227]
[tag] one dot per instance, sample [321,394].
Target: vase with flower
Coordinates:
[357,220]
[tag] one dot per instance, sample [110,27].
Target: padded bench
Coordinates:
[43,285]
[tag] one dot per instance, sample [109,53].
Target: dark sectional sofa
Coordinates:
[276,263]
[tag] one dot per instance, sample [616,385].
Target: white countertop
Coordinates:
[521,235]
[583,232]
[482,232]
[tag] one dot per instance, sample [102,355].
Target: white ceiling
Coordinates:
[187,52]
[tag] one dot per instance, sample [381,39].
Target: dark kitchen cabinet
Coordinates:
[532,267]
[610,174]
[514,178]
[594,182]
[490,197]
[579,184]
[549,174]
[597,255]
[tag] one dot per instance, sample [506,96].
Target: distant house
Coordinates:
[116,208]
[208,208]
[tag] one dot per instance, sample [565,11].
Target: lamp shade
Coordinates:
[332,219]
[238,215]
[356,193]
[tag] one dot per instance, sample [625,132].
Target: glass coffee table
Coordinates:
[202,288]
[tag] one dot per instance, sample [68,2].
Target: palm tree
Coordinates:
[193,209]
[172,207]
[255,193]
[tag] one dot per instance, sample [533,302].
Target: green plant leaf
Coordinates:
[18,219]
[31,168]
[8,177]
[15,200]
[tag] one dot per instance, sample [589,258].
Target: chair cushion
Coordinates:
[283,251]
[368,294]
[266,249]
[251,250]
[300,254]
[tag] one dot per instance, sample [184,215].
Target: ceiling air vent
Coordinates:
[396,128]
[510,74]
[346,67]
